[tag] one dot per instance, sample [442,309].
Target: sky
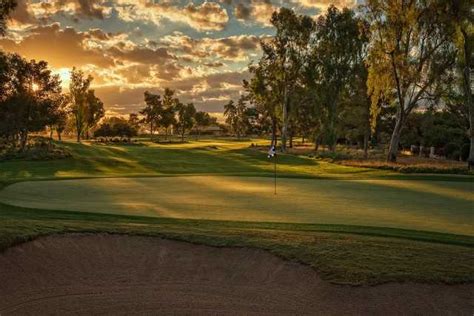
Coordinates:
[199,48]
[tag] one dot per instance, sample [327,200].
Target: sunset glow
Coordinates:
[201,49]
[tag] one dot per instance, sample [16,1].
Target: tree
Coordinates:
[335,53]
[86,108]
[28,98]
[94,111]
[411,54]
[58,118]
[202,119]
[185,121]
[6,8]
[167,115]
[152,111]
[463,38]
[284,58]
[134,121]
[230,113]
[115,127]
[263,93]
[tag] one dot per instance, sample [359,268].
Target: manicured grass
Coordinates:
[442,206]
[221,156]
[437,247]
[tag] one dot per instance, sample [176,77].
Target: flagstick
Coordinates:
[275,173]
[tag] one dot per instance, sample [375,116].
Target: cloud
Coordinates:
[60,47]
[232,48]
[208,16]
[323,4]
[208,93]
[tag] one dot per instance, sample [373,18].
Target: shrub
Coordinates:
[465,151]
[450,149]
[38,148]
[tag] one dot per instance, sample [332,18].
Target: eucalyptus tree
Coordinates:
[152,111]
[230,114]
[410,56]
[94,111]
[85,107]
[202,119]
[185,118]
[284,57]
[264,94]
[336,48]
[168,110]
[462,17]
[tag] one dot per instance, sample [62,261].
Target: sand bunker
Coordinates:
[84,274]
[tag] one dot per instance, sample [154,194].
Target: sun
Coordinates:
[64,75]
[35,87]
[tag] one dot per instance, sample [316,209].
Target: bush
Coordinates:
[38,148]
[465,151]
[450,150]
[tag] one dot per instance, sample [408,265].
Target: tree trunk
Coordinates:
[284,128]
[395,139]
[59,135]
[182,135]
[317,141]
[366,145]
[291,140]
[468,96]
[331,129]
[23,140]
[274,141]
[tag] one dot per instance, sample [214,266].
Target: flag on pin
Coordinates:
[271,152]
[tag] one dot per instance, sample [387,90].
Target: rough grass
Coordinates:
[340,253]
[411,164]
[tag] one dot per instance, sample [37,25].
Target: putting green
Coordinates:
[422,205]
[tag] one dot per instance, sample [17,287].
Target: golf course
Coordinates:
[350,225]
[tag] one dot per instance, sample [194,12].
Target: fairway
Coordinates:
[442,206]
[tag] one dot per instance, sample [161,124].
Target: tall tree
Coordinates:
[202,119]
[152,111]
[167,115]
[335,54]
[185,115]
[94,111]
[230,113]
[264,94]
[285,54]
[462,17]
[84,104]
[411,54]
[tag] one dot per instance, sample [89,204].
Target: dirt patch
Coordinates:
[97,274]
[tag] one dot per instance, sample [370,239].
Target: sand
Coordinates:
[113,274]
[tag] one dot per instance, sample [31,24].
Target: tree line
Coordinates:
[363,76]
[167,111]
